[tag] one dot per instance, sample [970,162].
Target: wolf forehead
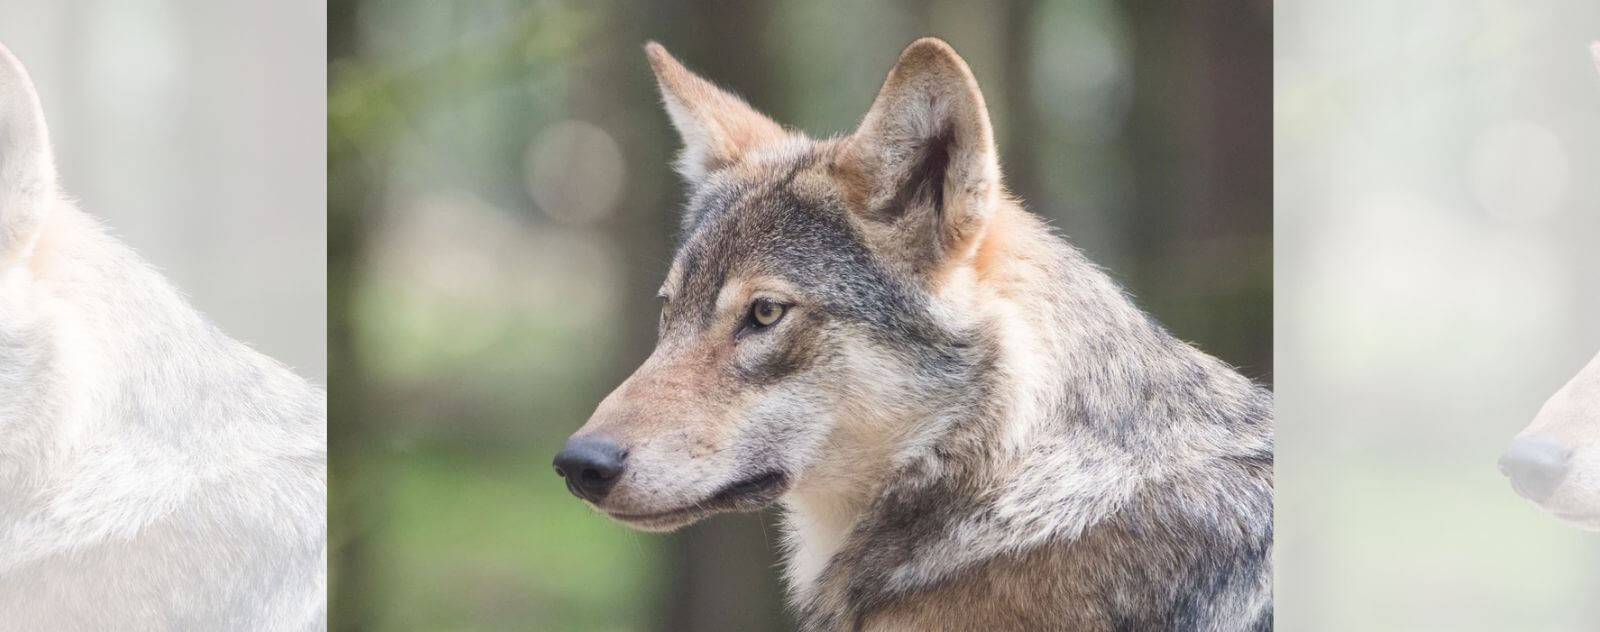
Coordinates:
[786,218]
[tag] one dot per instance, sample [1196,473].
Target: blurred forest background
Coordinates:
[1438,280]
[501,208]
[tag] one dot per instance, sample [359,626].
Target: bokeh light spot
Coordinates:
[1519,171]
[574,171]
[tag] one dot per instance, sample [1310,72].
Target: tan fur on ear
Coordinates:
[923,159]
[717,127]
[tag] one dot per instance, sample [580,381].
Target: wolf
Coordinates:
[1555,461]
[969,426]
[154,473]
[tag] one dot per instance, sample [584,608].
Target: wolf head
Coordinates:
[27,177]
[1555,462]
[813,313]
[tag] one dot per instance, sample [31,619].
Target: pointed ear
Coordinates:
[1594,51]
[922,165]
[27,175]
[717,127]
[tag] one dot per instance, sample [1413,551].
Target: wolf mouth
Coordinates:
[745,494]
[749,487]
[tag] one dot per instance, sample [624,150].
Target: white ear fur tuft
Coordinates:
[717,127]
[27,173]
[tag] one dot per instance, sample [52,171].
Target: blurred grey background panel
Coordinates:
[1437,217]
[196,130]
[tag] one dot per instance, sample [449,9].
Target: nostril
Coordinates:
[591,466]
[593,476]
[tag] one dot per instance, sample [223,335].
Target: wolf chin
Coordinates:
[154,473]
[969,426]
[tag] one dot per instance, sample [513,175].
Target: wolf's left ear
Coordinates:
[922,164]
[717,127]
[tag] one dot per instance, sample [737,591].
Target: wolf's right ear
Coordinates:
[27,174]
[717,127]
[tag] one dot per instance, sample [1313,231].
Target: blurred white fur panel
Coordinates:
[1436,276]
[155,473]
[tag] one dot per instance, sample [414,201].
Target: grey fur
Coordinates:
[1030,450]
[1129,395]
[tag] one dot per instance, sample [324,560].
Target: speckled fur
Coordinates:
[976,428]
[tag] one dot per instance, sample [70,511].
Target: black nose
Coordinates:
[1535,465]
[591,466]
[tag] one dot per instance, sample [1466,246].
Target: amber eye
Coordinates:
[765,313]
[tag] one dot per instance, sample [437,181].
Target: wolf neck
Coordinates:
[94,326]
[1076,366]
[105,368]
